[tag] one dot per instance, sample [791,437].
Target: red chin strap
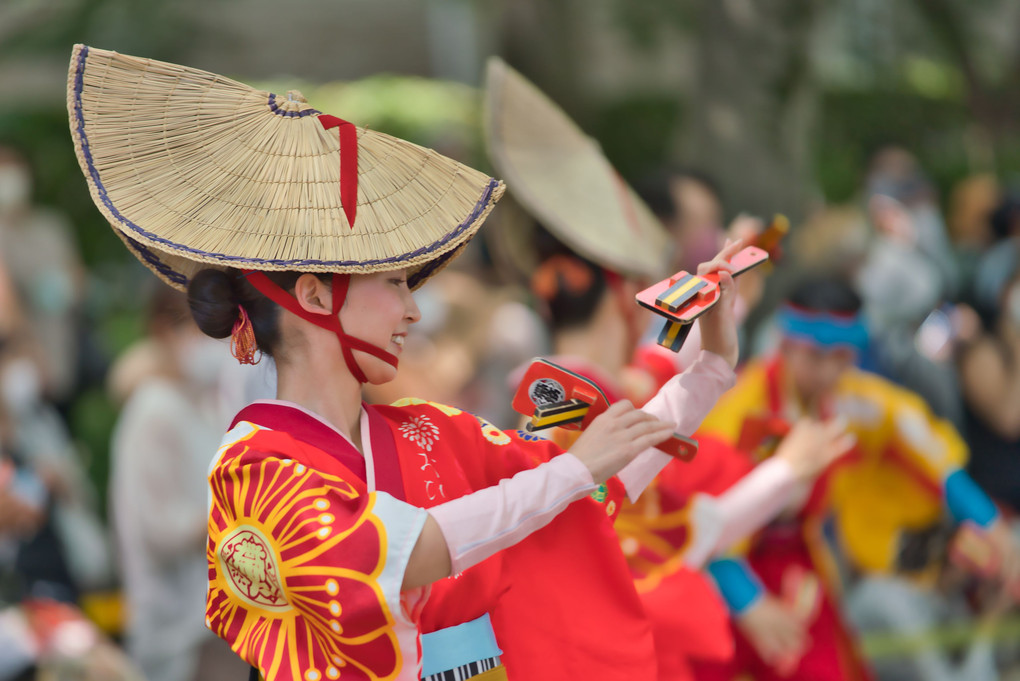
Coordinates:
[348,344]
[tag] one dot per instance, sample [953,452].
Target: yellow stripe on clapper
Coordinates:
[679,293]
[558,414]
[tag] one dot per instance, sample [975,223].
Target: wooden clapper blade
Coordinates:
[555,397]
[684,297]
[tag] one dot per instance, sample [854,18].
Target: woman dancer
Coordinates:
[349,540]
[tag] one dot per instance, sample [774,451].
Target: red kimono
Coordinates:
[308,546]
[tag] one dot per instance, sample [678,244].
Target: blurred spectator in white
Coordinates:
[907,212]
[39,252]
[909,271]
[51,541]
[164,441]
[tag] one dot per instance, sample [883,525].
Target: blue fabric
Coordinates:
[739,586]
[825,330]
[967,501]
[455,646]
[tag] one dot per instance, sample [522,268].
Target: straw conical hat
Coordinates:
[562,177]
[193,169]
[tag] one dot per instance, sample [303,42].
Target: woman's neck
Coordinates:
[586,343]
[330,391]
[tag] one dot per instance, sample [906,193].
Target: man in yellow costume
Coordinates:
[906,468]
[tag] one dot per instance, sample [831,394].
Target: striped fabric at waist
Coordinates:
[465,671]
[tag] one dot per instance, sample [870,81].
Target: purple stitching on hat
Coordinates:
[153,259]
[275,108]
[431,266]
[104,197]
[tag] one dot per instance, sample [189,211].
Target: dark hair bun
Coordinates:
[214,302]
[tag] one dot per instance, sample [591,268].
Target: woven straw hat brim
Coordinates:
[561,176]
[194,170]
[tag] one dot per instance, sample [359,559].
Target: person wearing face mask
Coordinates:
[910,253]
[897,260]
[39,253]
[70,553]
[161,448]
[895,173]
[349,540]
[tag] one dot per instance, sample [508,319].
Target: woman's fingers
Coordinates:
[720,263]
[730,248]
[616,436]
[623,414]
[633,417]
[714,265]
[726,282]
[653,435]
[618,409]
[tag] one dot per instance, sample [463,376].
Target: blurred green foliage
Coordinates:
[637,132]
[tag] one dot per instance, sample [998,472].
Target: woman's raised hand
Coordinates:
[812,445]
[718,325]
[616,436]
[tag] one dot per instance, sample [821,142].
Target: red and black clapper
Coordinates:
[555,397]
[684,297]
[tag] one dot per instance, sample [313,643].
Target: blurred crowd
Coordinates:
[119,592]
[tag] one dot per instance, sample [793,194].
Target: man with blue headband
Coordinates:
[905,470]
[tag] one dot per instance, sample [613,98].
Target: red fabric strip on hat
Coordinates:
[348,164]
[341,282]
[271,290]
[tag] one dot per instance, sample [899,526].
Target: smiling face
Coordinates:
[379,309]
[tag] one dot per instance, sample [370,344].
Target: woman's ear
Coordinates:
[313,294]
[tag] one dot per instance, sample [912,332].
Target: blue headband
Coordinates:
[824,329]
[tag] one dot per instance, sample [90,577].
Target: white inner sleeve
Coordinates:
[755,500]
[482,523]
[720,522]
[403,523]
[366,445]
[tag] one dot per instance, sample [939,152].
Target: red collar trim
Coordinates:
[305,426]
